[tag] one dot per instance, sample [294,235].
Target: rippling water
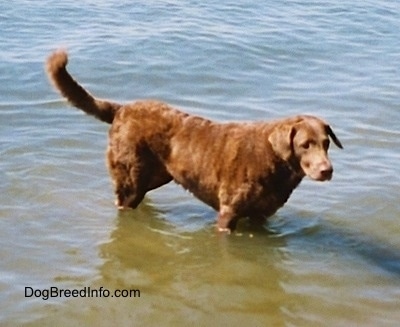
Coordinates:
[330,257]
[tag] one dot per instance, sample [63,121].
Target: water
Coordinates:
[330,257]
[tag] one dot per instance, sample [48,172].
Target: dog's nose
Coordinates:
[326,171]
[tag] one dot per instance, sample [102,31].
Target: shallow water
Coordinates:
[330,257]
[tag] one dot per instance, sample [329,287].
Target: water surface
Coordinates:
[330,257]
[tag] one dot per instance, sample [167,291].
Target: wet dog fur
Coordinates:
[246,169]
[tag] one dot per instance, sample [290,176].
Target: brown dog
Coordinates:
[239,169]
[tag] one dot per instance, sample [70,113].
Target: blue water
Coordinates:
[329,257]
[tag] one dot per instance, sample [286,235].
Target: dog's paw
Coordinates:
[119,205]
[224,230]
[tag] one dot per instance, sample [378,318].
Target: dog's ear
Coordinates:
[281,140]
[332,135]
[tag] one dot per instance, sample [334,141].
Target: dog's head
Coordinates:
[304,141]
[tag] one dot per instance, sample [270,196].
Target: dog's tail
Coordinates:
[76,94]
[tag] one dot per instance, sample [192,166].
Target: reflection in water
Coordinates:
[198,275]
[248,278]
[257,278]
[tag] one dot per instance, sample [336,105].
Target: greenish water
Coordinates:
[330,257]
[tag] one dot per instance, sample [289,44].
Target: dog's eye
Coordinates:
[306,145]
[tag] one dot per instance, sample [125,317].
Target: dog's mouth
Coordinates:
[322,176]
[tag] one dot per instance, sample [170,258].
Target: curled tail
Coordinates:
[76,94]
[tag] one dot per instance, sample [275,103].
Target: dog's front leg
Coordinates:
[227,220]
